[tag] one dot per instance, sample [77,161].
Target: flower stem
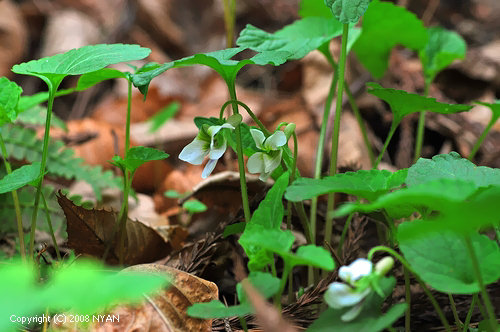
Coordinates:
[335,135]
[482,137]
[344,233]
[469,313]
[419,141]
[239,152]
[45,152]
[458,323]
[394,126]
[15,198]
[407,300]
[249,111]
[426,290]
[229,18]
[484,293]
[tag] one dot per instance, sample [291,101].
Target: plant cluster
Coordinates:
[442,207]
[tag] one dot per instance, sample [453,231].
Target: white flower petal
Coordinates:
[194,152]
[213,130]
[340,295]
[209,167]
[358,269]
[353,313]
[271,161]
[264,176]
[217,152]
[276,140]
[258,137]
[255,163]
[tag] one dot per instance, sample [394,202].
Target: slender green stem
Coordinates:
[49,222]
[482,137]
[15,198]
[394,126]
[469,313]
[45,153]
[484,293]
[239,152]
[458,323]
[284,277]
[344,233]
[426,290]
[229,19]
[419,141]
[321,143]
[122,217]
[243,323]
[336,132]
[407,300]
[249,111]
[129,111]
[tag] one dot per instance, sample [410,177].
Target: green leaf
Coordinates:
[442,260]
[83,286]
[403,103]
[274,240]
[160,118]
[217,309]
[451,166]
[90,79]
[236,228]
[312,255]
[20,177]
[368,184]
[494,107]
[265,283]
[347,11]
[386,25]
[220,61]
[434,195]
[371,318]
[194,206]
[138,155]
[82,60]
[443,47]
[270,212]
[10,93]
[317,8]
[298,38]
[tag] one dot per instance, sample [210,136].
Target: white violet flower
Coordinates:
[206,143]
[266,161]
[340,295]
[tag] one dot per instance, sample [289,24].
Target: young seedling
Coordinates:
[52,70]
[192,207]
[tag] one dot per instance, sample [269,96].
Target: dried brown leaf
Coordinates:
[91,231]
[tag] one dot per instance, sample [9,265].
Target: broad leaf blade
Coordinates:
[82,60]
[264,282]
[10,94]
[138,155]
[348,11]
[368,184]
[451,166]
[312,255]
[90,79]
[403,103]
[443,47]
[298,38]
[386,25]
[442,260]
[20,177]
[308,8]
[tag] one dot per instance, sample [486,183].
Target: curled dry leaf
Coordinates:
[165,311]
[91,231]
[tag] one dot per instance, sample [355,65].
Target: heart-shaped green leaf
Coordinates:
[274,240]
[443,47]
[368,184]
[90,79]
[347,11]
[451,166]
[82,60]
[442,260]
[264,282]
[311,255]
[10,93]
[403,103]
[20,177]
[136,156]
[298,38]
[220,61]
[386,25]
